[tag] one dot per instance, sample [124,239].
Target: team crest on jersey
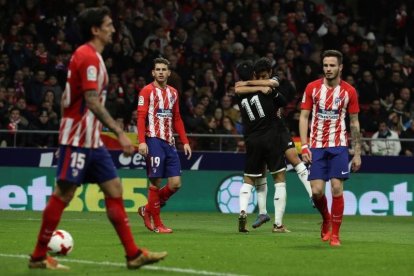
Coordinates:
[91,73]
[75,172]
[337,101]
[141,100]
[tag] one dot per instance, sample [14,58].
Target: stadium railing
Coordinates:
[14,136]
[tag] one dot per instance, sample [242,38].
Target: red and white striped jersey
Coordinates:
[79,126]
[159,114]
[329,107]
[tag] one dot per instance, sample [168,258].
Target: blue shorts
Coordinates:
[329,163]
[162,160]
[84,165]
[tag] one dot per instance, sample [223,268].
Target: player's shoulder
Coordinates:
[172,89]
[347,86]
[147,88]
[315,84]
[85,52]
[85,49]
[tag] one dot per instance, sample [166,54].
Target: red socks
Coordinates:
[116,214]
[337,213]
[322,206]
[153,205]
[51,217]
[156,199]
[165,193]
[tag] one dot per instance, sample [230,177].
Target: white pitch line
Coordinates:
[152,267]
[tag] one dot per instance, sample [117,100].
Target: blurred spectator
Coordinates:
[13,124]
[388,144]
[35,88]
[209,126]
[367,88]
[192,122]
[42,140]
[228,127]
[370,118]
[52,85]
[228,110]
[408,147]
[402,114]
[218,115]
[26,115]
[131,126]
[4,106]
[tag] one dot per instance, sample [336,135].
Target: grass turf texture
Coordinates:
[209,243]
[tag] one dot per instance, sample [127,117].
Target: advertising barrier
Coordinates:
[365,193]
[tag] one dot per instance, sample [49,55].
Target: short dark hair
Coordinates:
[333,53]
[245,70]
[91,17]
[262,65]
[162,61]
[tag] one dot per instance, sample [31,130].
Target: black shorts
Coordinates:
[285,140]
[264,151]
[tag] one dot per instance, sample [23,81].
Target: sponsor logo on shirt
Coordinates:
[328,114]
[91,73]
[164,113]
[141,100]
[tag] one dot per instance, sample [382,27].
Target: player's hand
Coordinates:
[266,90]
[306,154]
[126,144]
[240,83]
[187,151]
[143,149]
[57,153]
[356,163]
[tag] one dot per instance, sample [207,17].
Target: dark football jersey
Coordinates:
[258,112]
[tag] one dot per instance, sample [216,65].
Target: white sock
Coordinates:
[303,173]
[280,202]
[244,196]
[261,189]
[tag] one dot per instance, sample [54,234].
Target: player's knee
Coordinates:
[175,185]
[65,191]
[317,192]
[337,190]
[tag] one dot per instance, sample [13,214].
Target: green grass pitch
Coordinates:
[209,244]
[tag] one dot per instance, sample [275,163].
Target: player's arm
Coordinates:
[179,128]
[142,113]
[252,89]
[303,132]
[273,82]
[280,100]
[93,103]
[355,140]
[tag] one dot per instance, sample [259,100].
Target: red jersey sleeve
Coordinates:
[178,123]
[353,106]
[142,113]
[88,71]
[307,101]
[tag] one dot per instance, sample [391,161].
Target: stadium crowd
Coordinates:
[204,40]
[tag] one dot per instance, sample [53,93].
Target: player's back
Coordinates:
[258,112]
[79,126]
